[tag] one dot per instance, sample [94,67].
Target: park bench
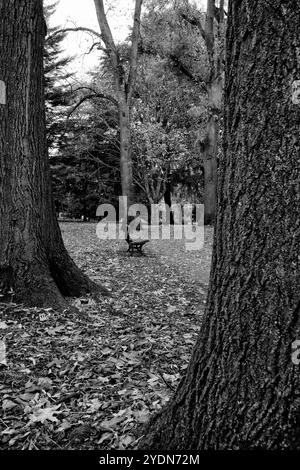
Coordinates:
[135,244]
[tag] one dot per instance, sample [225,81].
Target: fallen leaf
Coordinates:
[171,309]
[64,426]
[125,440]
[40,415]
[44,316]
[53,331]
[8,405]
[105,437]
[45,383]
[94,405]
[3,361]
[111,423]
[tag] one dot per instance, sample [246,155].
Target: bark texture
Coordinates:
[241,390]
[34,263]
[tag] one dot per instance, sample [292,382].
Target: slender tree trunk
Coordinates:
[241,390]
[214,38]
[125,149]
[34,263]
[168,201]
[210,151]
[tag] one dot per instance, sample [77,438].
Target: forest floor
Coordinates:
[90,378]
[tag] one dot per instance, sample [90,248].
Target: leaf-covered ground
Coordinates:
[90,377]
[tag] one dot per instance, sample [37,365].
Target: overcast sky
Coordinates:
[70,13]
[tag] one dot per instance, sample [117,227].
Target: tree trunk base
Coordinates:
[46,286]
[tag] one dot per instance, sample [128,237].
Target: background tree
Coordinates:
[213,33]
[57,79]
[33,260]
[124,77]
[194,44]
[58,98]
[124,81]
[86,167]
[241,389]
[163,127]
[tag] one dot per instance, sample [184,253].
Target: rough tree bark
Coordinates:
[34,263]
[241,390]
[124,86]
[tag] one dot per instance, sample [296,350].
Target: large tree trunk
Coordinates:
[34,263]
[241,389]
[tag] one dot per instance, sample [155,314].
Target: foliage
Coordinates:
[165,127]
[57,92]
[166,33]
[86,169]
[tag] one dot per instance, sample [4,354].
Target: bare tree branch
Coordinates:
[98,94]
[98,160]
[194,21]
[89,97]
[96,44]
[113,143]
[106,34]
[134,48]
[138,183]
[222,11]
[209,26]
[187,72]
[65,30]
